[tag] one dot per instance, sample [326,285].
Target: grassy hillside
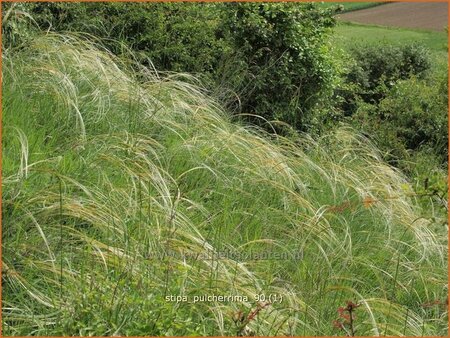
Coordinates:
[122,188]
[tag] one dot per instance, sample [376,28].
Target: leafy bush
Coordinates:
[412,116]
[376,69]
[384,65]
[285,66]
[17,24]
[430,180]
[419,113]
[174,37]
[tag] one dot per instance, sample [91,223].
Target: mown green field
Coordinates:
[348,35]
[122,189]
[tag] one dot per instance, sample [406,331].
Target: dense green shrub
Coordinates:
[174,37]
[17,24]
[430,181]
[412,116]
[285,66]
[419,112]
[376,69]
[384,65]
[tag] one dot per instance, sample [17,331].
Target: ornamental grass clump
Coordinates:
[123,187]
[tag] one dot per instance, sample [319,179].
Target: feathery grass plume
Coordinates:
[123,189]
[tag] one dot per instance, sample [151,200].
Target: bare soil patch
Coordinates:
[431,15]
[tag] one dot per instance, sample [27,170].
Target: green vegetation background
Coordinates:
[187,130]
